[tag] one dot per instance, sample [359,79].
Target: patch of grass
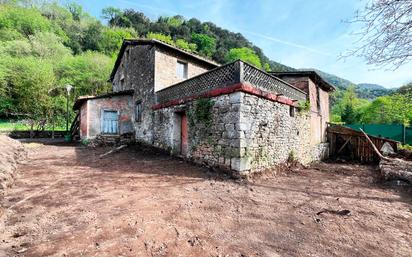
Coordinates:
[406,147]
[7,125]
[12,125]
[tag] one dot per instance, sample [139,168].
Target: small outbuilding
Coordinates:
[106,115]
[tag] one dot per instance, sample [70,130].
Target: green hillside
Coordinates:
[363,90]
[45,47]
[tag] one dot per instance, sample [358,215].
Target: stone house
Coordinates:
[234,117]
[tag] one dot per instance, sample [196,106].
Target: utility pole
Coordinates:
[68,89]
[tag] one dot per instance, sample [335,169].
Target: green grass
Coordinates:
[11,125]
[406,147]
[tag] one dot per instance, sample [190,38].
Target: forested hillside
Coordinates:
[47,46]
[363,90]
[204,38]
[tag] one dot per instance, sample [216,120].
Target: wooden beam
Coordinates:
[374,147]
[343,146]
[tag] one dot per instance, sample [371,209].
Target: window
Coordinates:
[122,83]
[291,111]
[181,70]
[110,122]
[138,111]
[318,98]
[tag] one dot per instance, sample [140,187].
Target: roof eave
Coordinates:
[323,83]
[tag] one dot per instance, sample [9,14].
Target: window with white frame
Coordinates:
[181,70]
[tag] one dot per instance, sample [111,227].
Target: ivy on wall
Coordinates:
[202,111]
[304,106]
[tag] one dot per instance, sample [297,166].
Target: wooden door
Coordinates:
[184,135]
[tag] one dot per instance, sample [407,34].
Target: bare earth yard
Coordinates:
[68,202]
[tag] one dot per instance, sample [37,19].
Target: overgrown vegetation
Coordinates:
[202,111]
[46,46]
[204,38]
[395,108]
[405,147]
[304,106]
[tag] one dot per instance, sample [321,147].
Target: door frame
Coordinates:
[184,134]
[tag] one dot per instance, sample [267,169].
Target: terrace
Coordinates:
[227,77]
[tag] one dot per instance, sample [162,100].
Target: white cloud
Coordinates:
[288,43]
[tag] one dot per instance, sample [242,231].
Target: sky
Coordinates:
[297,33]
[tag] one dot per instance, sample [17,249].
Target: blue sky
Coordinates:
[298,33]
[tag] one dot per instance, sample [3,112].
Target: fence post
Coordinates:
[404,133]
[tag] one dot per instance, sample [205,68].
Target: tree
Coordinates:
[386,37]
[405,89]
[174,21]
[393,109]
[48,45]
[206,45]
[27,80]
[266,67]
[348,114]
[132,18]
[350,108]
[23,20]
[92,35]
[112,39]
[88,72]
[182,44]
[110,13]
[245,54]
[161,37]
[76,10]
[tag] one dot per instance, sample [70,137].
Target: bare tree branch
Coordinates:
[386,35]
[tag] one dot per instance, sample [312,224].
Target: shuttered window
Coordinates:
[110,122]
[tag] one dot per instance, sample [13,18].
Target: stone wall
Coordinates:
[319,116]
[137,71]
[243,133]
[211,139]
[144,68]
[165,68]
[271,133]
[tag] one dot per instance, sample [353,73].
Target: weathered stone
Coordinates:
[236,98]
[241,164]
[242,132]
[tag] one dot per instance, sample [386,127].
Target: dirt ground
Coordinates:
[68,202]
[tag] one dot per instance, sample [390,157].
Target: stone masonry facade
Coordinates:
[233,117]
[165,68]
[140,68]
[245,133]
